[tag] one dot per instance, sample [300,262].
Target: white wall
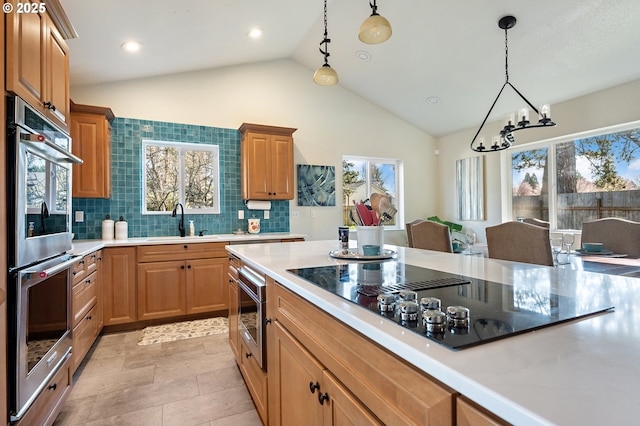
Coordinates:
[609,107]
[331,122]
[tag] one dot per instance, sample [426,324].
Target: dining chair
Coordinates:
[617,234]
[519,242]
[429,235]
[537,222]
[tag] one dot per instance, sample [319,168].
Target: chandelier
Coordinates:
[514,121]
[325,75]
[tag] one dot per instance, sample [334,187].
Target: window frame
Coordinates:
[182,147]
[399,184]
[550,144]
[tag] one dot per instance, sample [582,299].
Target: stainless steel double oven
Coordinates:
[39,237]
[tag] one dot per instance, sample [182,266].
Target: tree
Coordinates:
[349,178]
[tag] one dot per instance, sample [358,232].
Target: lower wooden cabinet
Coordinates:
[49,403]
[303,391]
[469,413]
[119,285]
[255,378]
[234,264]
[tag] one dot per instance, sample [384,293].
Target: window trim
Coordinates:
[182,147]
[505,167]
[399,197]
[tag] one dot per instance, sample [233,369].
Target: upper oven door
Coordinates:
[39,185]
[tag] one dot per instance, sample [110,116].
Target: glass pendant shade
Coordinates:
[325,76]
[375,29]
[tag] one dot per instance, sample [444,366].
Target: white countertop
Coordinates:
[83,247]
[582,372]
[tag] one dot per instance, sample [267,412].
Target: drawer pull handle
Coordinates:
[247,355]
[267,321]
[53,386]
[322,398]
[89,318]
[314,386]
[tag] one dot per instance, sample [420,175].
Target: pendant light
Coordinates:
[325,75]
[375,29]
[514,121]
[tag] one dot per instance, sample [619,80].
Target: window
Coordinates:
[363,176]
[180,173]
[569,181]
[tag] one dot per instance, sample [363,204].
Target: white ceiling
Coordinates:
[450,49]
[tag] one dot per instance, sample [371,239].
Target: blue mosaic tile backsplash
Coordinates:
[126,199]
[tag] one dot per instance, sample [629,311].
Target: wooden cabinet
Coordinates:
[470,414]
[267,162]
[49,403]
[396,394]
[119,285]
[91,141]
[256,380]
[86,305]
[193,283]
[313,395]
[234,265]
[37,63]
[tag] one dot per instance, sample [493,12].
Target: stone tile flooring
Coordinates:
[186,382]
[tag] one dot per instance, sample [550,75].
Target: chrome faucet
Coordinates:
[181,223]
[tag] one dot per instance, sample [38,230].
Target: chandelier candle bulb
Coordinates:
[545,112]
[511,119]
[496,142]
[524,116]
[481,142]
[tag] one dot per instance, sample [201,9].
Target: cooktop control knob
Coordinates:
[458,316]
[386,302]
[434,320]
[408,310]
[427,303]
[407,295]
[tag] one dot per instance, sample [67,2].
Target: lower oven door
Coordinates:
[251,320]
[40,328]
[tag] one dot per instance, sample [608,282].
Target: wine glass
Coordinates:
[471,239]
[567,241]
[556,247]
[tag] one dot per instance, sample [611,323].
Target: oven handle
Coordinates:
[37,275]
[44,146]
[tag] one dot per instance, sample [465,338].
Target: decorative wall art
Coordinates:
[470,188]
[316,185]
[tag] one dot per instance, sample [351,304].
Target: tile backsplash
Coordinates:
[126,198]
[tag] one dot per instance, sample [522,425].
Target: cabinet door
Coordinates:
[294,378]
[119,285]
[57,74]
[89,133]
[161,290]
[281,159]
[25,56]
[256,167]
[341,408]
[207,290]
[99,286]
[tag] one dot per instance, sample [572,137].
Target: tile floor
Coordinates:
[187,382]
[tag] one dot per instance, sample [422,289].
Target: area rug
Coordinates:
[183,330]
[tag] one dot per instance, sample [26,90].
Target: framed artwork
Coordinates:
[316,185]
[470,188]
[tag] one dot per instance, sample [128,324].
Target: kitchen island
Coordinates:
[578,372]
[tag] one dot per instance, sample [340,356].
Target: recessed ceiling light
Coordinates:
[363,55]
[433,100]
[255,33]
[131,46]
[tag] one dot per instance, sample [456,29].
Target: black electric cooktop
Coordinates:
[495,311]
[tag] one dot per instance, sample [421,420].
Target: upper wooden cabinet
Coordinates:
[266,162]
[37,63]
[91,141]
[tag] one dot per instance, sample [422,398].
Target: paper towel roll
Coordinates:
[258,205]
[107,229]
[122,229]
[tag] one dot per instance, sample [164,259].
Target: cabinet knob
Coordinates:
[188,266]
[186,246]
[314,386]
[182,267]
[322,398]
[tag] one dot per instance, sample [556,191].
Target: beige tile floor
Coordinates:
[188,382]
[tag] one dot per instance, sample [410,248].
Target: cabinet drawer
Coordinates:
[159,253]
[85,295]
[84,334]
[256,380]
[46,407]
[85,266]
